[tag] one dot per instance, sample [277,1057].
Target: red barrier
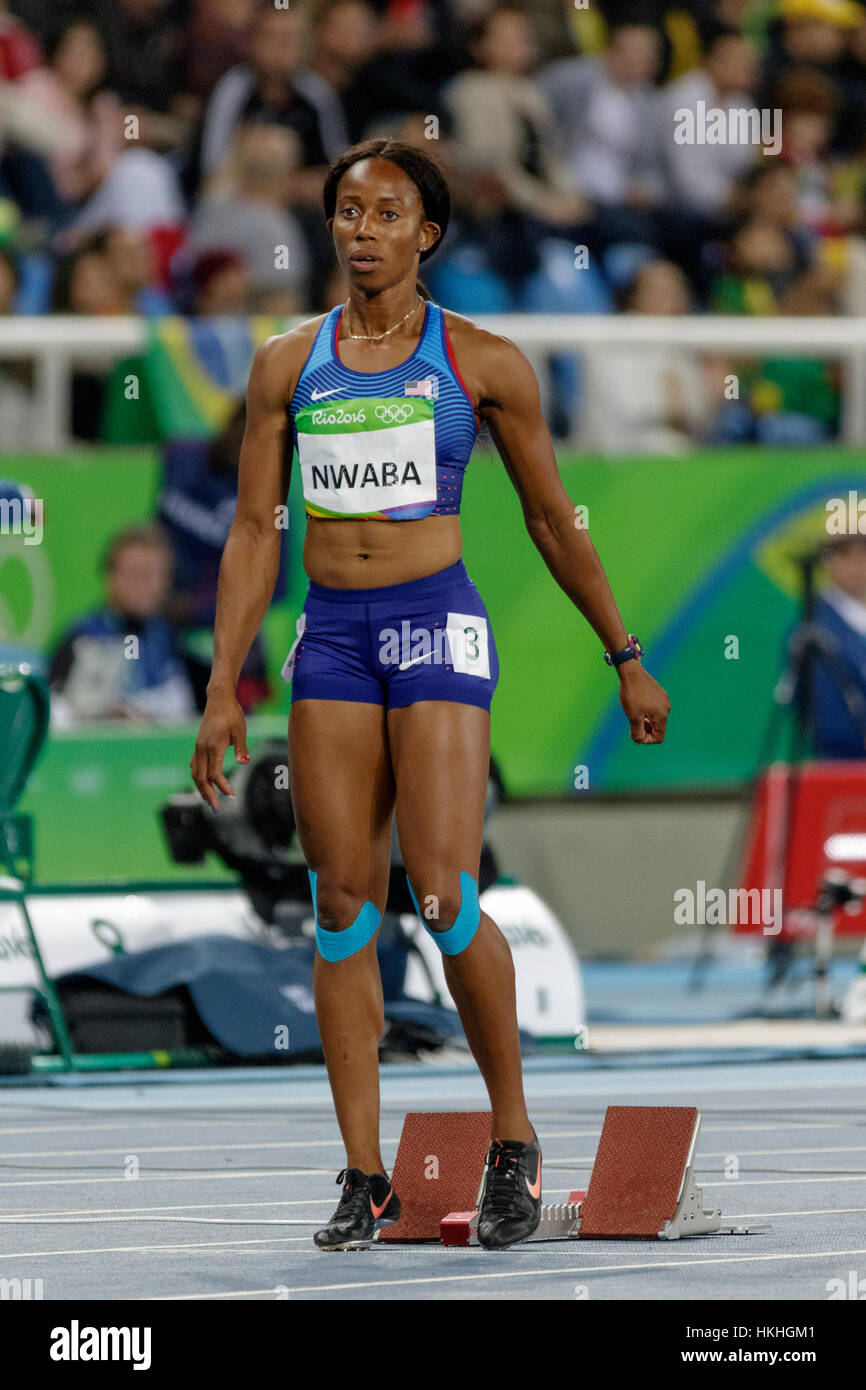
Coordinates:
[826,806]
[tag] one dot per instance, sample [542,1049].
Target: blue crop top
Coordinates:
[389,446]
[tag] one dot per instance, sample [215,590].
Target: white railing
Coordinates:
[59,344]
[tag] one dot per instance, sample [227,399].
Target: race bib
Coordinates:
[367,457]
[467,639]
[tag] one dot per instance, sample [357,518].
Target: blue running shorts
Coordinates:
[429,639]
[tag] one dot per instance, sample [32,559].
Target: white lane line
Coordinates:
[127,1122]
[30,1221]
[168,1176]
[767,1215]
[733,1183]
[13,1213]
[506,1274]
[178,1148]
[195,1245]
[779,1153]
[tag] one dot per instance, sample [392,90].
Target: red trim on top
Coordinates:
[337,331]
[453,360]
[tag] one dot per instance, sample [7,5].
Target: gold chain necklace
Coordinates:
[377,337]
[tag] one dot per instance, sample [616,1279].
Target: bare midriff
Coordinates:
[372,554]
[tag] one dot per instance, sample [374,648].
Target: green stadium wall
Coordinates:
[699,552]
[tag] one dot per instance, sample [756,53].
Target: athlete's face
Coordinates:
[379,228]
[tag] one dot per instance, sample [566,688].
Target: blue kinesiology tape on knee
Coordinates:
[457,937]
[339,945]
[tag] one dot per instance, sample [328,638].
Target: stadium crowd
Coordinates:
[168,156]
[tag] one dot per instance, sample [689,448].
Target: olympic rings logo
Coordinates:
[393,414]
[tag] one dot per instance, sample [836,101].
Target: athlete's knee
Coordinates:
[337,906]
[438,899]
[345,920]
[448,906]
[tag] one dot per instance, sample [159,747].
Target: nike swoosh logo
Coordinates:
[320,395]
[377,1211]
[535,1187]
[404,665]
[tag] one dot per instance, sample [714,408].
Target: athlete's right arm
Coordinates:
[248,570]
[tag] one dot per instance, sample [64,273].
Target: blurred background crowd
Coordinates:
[167,156]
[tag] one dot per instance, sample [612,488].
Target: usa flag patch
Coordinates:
[428,387]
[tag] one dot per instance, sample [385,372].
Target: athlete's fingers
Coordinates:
[239,743]
[646,728]
[215,775]
[655,724]
[198,769]
[638,728]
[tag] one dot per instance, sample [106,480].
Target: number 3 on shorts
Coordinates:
[467,639]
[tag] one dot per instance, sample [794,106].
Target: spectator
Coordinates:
[840,616]
[603,107]
[814,34]
[70,93]
[782,401]
[420,47]
[26,138]
[141,191]
[145,46]
[87,282]
[510,187]
[218,38]
[265,90]
[763,261]
[503,129]
[221,284]
[769,191]
[129,262]
[131,255]
[121,661]
[344,38]
[640,403]
[252,217]
[810,102]
[699,177]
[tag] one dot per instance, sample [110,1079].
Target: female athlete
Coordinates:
[395,663]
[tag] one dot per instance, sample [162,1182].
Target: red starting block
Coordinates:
[642,1185]
[438,1169]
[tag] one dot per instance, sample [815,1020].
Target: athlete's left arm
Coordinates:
[509,403]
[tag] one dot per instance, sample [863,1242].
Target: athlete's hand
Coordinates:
[223,723]
[646,705]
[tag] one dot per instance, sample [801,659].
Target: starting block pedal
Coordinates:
[557,1223]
